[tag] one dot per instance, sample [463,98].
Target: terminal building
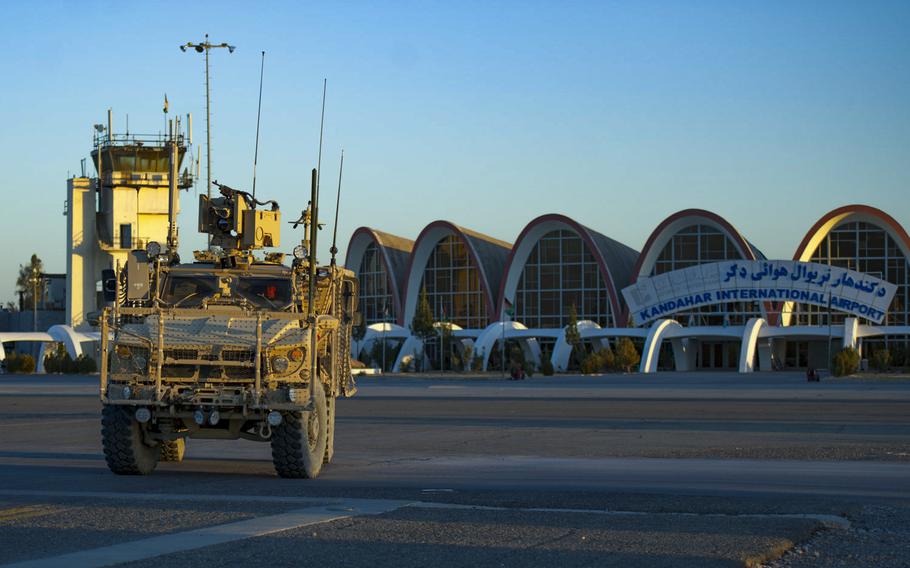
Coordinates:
[488,293]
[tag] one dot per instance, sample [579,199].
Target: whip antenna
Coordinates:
[334,249]
[258,116]
[319,158]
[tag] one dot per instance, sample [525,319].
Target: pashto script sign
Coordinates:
[759,280]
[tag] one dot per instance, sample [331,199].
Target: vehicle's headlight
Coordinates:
[300,252]
[296,355]
[140,362]
[280,364]
[153,249]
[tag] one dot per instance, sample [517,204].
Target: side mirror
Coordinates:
[109,285]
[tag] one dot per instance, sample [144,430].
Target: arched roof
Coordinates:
[395,253]
[488,255]
[615,259]
[679,221]
[839,216]
[849,214]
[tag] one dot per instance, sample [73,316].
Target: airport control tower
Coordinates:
[122,209]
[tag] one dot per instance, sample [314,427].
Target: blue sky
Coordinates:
[486,114]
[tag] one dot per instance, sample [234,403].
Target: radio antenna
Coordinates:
[319,157]
[258,116]
[334,249]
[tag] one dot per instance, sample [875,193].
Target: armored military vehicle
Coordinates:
[229,346]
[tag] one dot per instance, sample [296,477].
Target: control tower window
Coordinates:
[126,236]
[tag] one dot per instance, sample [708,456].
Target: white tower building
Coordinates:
[122,209]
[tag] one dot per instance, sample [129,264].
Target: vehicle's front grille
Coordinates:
[135,363]
[209,368]
[181,354]
[178,371]
[239,373]
[245,355]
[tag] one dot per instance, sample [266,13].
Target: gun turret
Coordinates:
[235,223]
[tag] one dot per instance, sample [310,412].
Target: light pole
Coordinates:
[204,47]
[385,323]
[34,280]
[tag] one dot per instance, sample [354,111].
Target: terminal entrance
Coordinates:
[805,354]
[718,355]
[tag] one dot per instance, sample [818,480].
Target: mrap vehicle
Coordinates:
[229,346]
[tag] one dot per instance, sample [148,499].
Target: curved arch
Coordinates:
[749,344]
[650,353]
[833,219]
[851,213]
[70,338]
[376,332]
[562,350]
[423,247]
[529,237]
[675,223]
[678,221]
[357,246]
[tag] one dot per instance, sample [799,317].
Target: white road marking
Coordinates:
[209,536]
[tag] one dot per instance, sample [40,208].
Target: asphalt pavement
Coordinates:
[697,469]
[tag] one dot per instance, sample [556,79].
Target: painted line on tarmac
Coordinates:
[210,536]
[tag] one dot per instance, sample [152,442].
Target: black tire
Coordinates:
[173,450]
[125,450]
[329,430]
[298,443]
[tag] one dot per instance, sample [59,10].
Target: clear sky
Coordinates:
[486,114]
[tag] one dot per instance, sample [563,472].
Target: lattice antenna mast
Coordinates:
[205,47]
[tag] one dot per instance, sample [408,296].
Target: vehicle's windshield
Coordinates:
[264,292]
[188,290]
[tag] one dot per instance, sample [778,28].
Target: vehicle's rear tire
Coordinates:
[125,449]
[298,443]
[173,450]
[329,430]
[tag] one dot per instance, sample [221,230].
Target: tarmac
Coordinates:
[683,469]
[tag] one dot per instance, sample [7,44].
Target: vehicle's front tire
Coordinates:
[173,450]
[125,449]
[299,442]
